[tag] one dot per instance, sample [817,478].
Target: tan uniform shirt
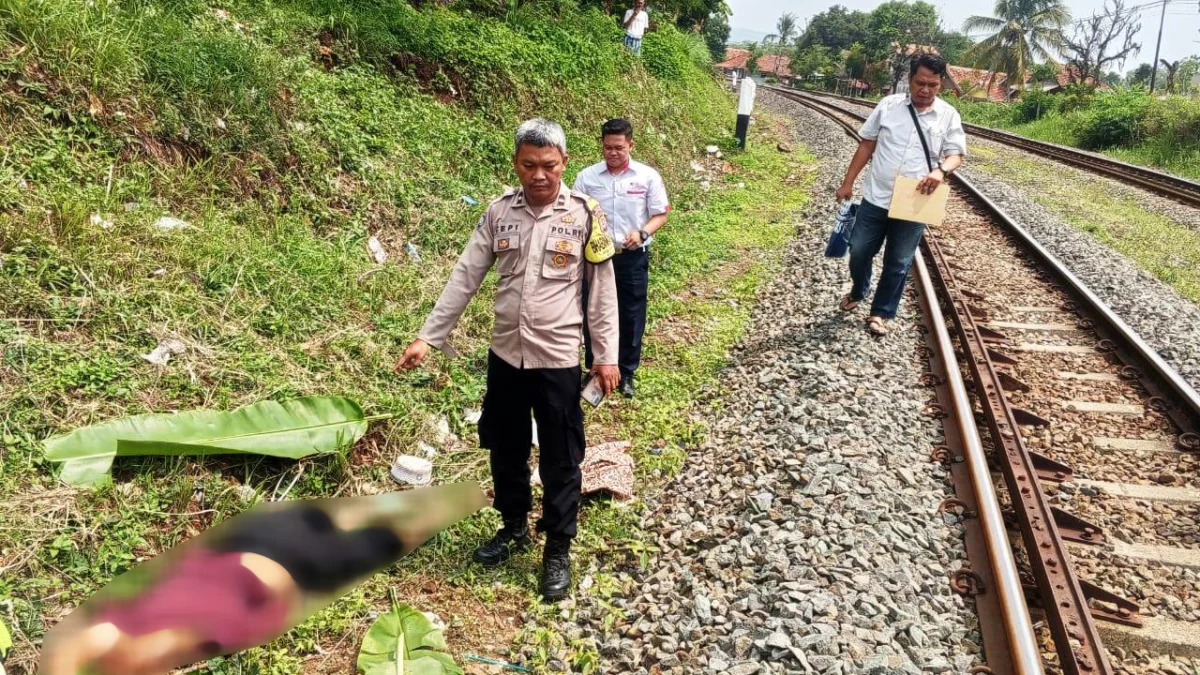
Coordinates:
[539,309]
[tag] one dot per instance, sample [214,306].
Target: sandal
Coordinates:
[877,326]
[848,304]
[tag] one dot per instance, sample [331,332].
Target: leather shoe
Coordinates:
[556,569]
[626,387]
[510,540]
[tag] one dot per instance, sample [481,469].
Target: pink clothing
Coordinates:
[210,593]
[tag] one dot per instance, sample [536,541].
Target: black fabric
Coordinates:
[921,135]
[632,271]
[318,555]
[505,429]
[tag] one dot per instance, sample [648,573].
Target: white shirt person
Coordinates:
[635,199]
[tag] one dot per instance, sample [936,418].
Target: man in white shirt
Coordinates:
[891,143]
[636,22]
[635,199]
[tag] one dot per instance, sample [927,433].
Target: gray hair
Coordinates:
[543,133]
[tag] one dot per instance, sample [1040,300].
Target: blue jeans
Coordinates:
[872,228]
[634,43]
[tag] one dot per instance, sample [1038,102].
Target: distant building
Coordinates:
[994,86]
[769,65]
[735,61]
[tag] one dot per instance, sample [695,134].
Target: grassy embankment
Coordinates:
[1127,125]
[286,133]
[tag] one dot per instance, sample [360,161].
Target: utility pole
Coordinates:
[1157,46]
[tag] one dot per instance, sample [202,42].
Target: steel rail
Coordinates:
[1174,395]
[1025,656]
[1019,653]
[1063,597]
[1168,185]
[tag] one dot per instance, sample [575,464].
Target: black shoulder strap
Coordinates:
[920,134]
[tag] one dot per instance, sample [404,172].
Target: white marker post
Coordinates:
[733,79]
[745,107]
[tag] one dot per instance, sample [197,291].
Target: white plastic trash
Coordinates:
[409,470]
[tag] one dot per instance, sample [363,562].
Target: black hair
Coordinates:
[933,62]
[617,125]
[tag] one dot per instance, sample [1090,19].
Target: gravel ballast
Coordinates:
[802,537]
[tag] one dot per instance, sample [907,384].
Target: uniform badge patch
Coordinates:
[559,260]
[563,245]
[599,246]
[502,244]
[568,219]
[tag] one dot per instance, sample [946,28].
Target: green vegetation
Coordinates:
[1127,124]
[286,133]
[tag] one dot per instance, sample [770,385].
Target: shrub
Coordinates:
[1034,105]
[1113,119]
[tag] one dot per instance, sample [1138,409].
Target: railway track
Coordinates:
[1088,428]
[1174,187]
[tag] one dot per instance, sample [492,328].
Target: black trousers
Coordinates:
[632,270]
[505,430]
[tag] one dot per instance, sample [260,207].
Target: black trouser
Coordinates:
[632,270]
[505,429]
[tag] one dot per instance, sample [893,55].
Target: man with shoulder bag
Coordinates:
[915,135]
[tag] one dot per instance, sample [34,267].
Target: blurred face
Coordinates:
[540,171]
[924,87]
[616,151]
[639,4]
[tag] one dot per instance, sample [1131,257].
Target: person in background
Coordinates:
[635,199]
[891,144]
[545,242]
[636,22]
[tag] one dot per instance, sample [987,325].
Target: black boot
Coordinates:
[556,568]
[511,539]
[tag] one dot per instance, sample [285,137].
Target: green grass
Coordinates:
[1163,138]
[1166,249]
[286,133]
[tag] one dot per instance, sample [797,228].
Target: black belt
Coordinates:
[619,251]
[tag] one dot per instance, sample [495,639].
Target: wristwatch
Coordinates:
[645,236]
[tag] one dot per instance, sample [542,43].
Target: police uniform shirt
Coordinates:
[542,268]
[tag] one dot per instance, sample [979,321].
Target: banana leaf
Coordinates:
[291,429]
[404,642]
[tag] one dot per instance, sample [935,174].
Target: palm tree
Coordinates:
[1022,32]
[787,28]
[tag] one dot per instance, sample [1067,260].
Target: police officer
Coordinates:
[635,199]
[545,241]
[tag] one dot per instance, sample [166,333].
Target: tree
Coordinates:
[1104,39]
[835,29]
[1022,32]
[787,28]
[1187,72]
[1140,76]
[900,22]
[1112,78]
[1172,69]
[716,35]
[1044,72]
[952,45]
[855,60]
[810,60]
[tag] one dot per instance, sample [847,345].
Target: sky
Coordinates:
[1181,32]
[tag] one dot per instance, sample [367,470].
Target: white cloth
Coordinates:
[629,198]
[638,28]
[898,151]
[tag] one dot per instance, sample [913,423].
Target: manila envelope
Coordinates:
[908,204]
